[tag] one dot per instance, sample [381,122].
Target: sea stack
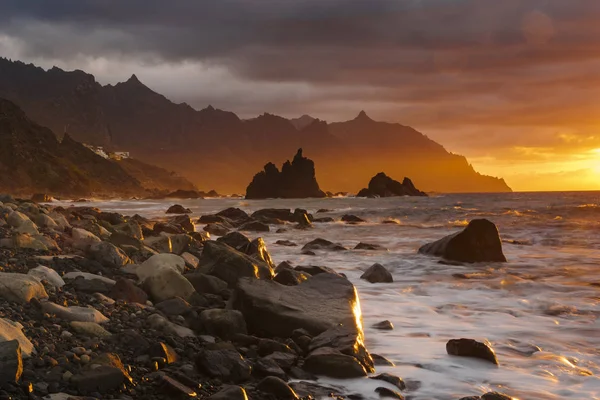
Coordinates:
[382,185]
[296,180]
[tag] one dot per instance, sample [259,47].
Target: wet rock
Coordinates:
[471,348]
[284,359]
[351,219]
[74,313]
[392,379]
[125,289]
[315,270]
[178,209]
[44,273]
[255,226]
[234,214]
[478,242]
[191,261]
[286,243]
[223,323]
[377,274]
[217,229]
[322,244]
[131,228]
[318,304]
[282,214]
[368,246]
[330,362]
[323,220]
[163,350]
[346,340]
[379,360]
[384,392]
[184,222]
[277,387]
[227,365]
[257,249]
[384,325]
[290,277]
[228,264]
[230,393]
[10,330]
[11,363]
[305,389]
[268,367]
[237,240]
[21,288]
[495,396]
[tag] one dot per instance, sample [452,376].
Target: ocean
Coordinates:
[539,311]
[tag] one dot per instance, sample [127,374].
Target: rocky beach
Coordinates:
[230,304]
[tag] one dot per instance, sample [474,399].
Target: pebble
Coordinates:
[85,359]
[78,350]
[66,334]
[67,375]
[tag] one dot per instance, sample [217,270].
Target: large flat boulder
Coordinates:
[478,242]
[20,288]
[318,304]
[225,262]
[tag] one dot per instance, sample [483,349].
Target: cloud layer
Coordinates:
[485,78]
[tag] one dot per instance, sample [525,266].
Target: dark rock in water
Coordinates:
[217,229]
[377,274]
[227,365]
[324,220]
[206,283]
[255,226]
[384,325]
[11,363]
[367,246]
[380,360]
[382,185]
[318,304]
[41,198]
[495,396]
[277,387]
[322,244]
[282,214]
[317,391]
[330,362]
[478,242]
[237,240]
[228,264]
[346,340]
[184,222]
[235,215]
[286,243]
[211,219]
[290,277]
[178,209]
[393,379]
[125,289]
[388,393]
[471,348]
[296,180]
[230,393]
[470,398]
[351,218]
[222,323]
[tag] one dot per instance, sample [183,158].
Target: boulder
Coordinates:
[217,229]
[11,362]
[122,239]
[74,313]
[237,240]
[330,362]
[178,209]
[368,246]
[258,249]
[108,255]
[90,329]
[160,243]
[16,219]
[226,365]
[282,214]
[382,185]
[290,277]
[377,274]
[74,275]
[25,241]
[110,374]
[495,396]
[478,242]
[191,261]
[388,393]
[392,379]
[230,392]
[159,322]
[166,283]
[296,180]
[222,323]
[27,227]
[206,283]
[471,348]
[255,226]
[48,274]
[235,215]
[45,221]
[159,262]
[125,289]
[83,239]
[21,288]
[323,244]
[228,264]
[10,330]
[184,222]
[384,326]
[352,219]
[277,388]
[318,304]
[131,228]
[287,243]
[346,340]
[174,306]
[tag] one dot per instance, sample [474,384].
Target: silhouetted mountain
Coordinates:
[296,180]
[152,177]
[215,148]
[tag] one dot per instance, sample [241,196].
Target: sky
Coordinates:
[512,85]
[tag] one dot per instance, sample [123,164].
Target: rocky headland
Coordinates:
[96,304]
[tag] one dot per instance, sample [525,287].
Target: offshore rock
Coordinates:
[382,185]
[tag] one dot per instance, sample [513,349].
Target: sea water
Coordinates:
[539,311]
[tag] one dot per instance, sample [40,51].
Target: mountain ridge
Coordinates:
[215,148]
